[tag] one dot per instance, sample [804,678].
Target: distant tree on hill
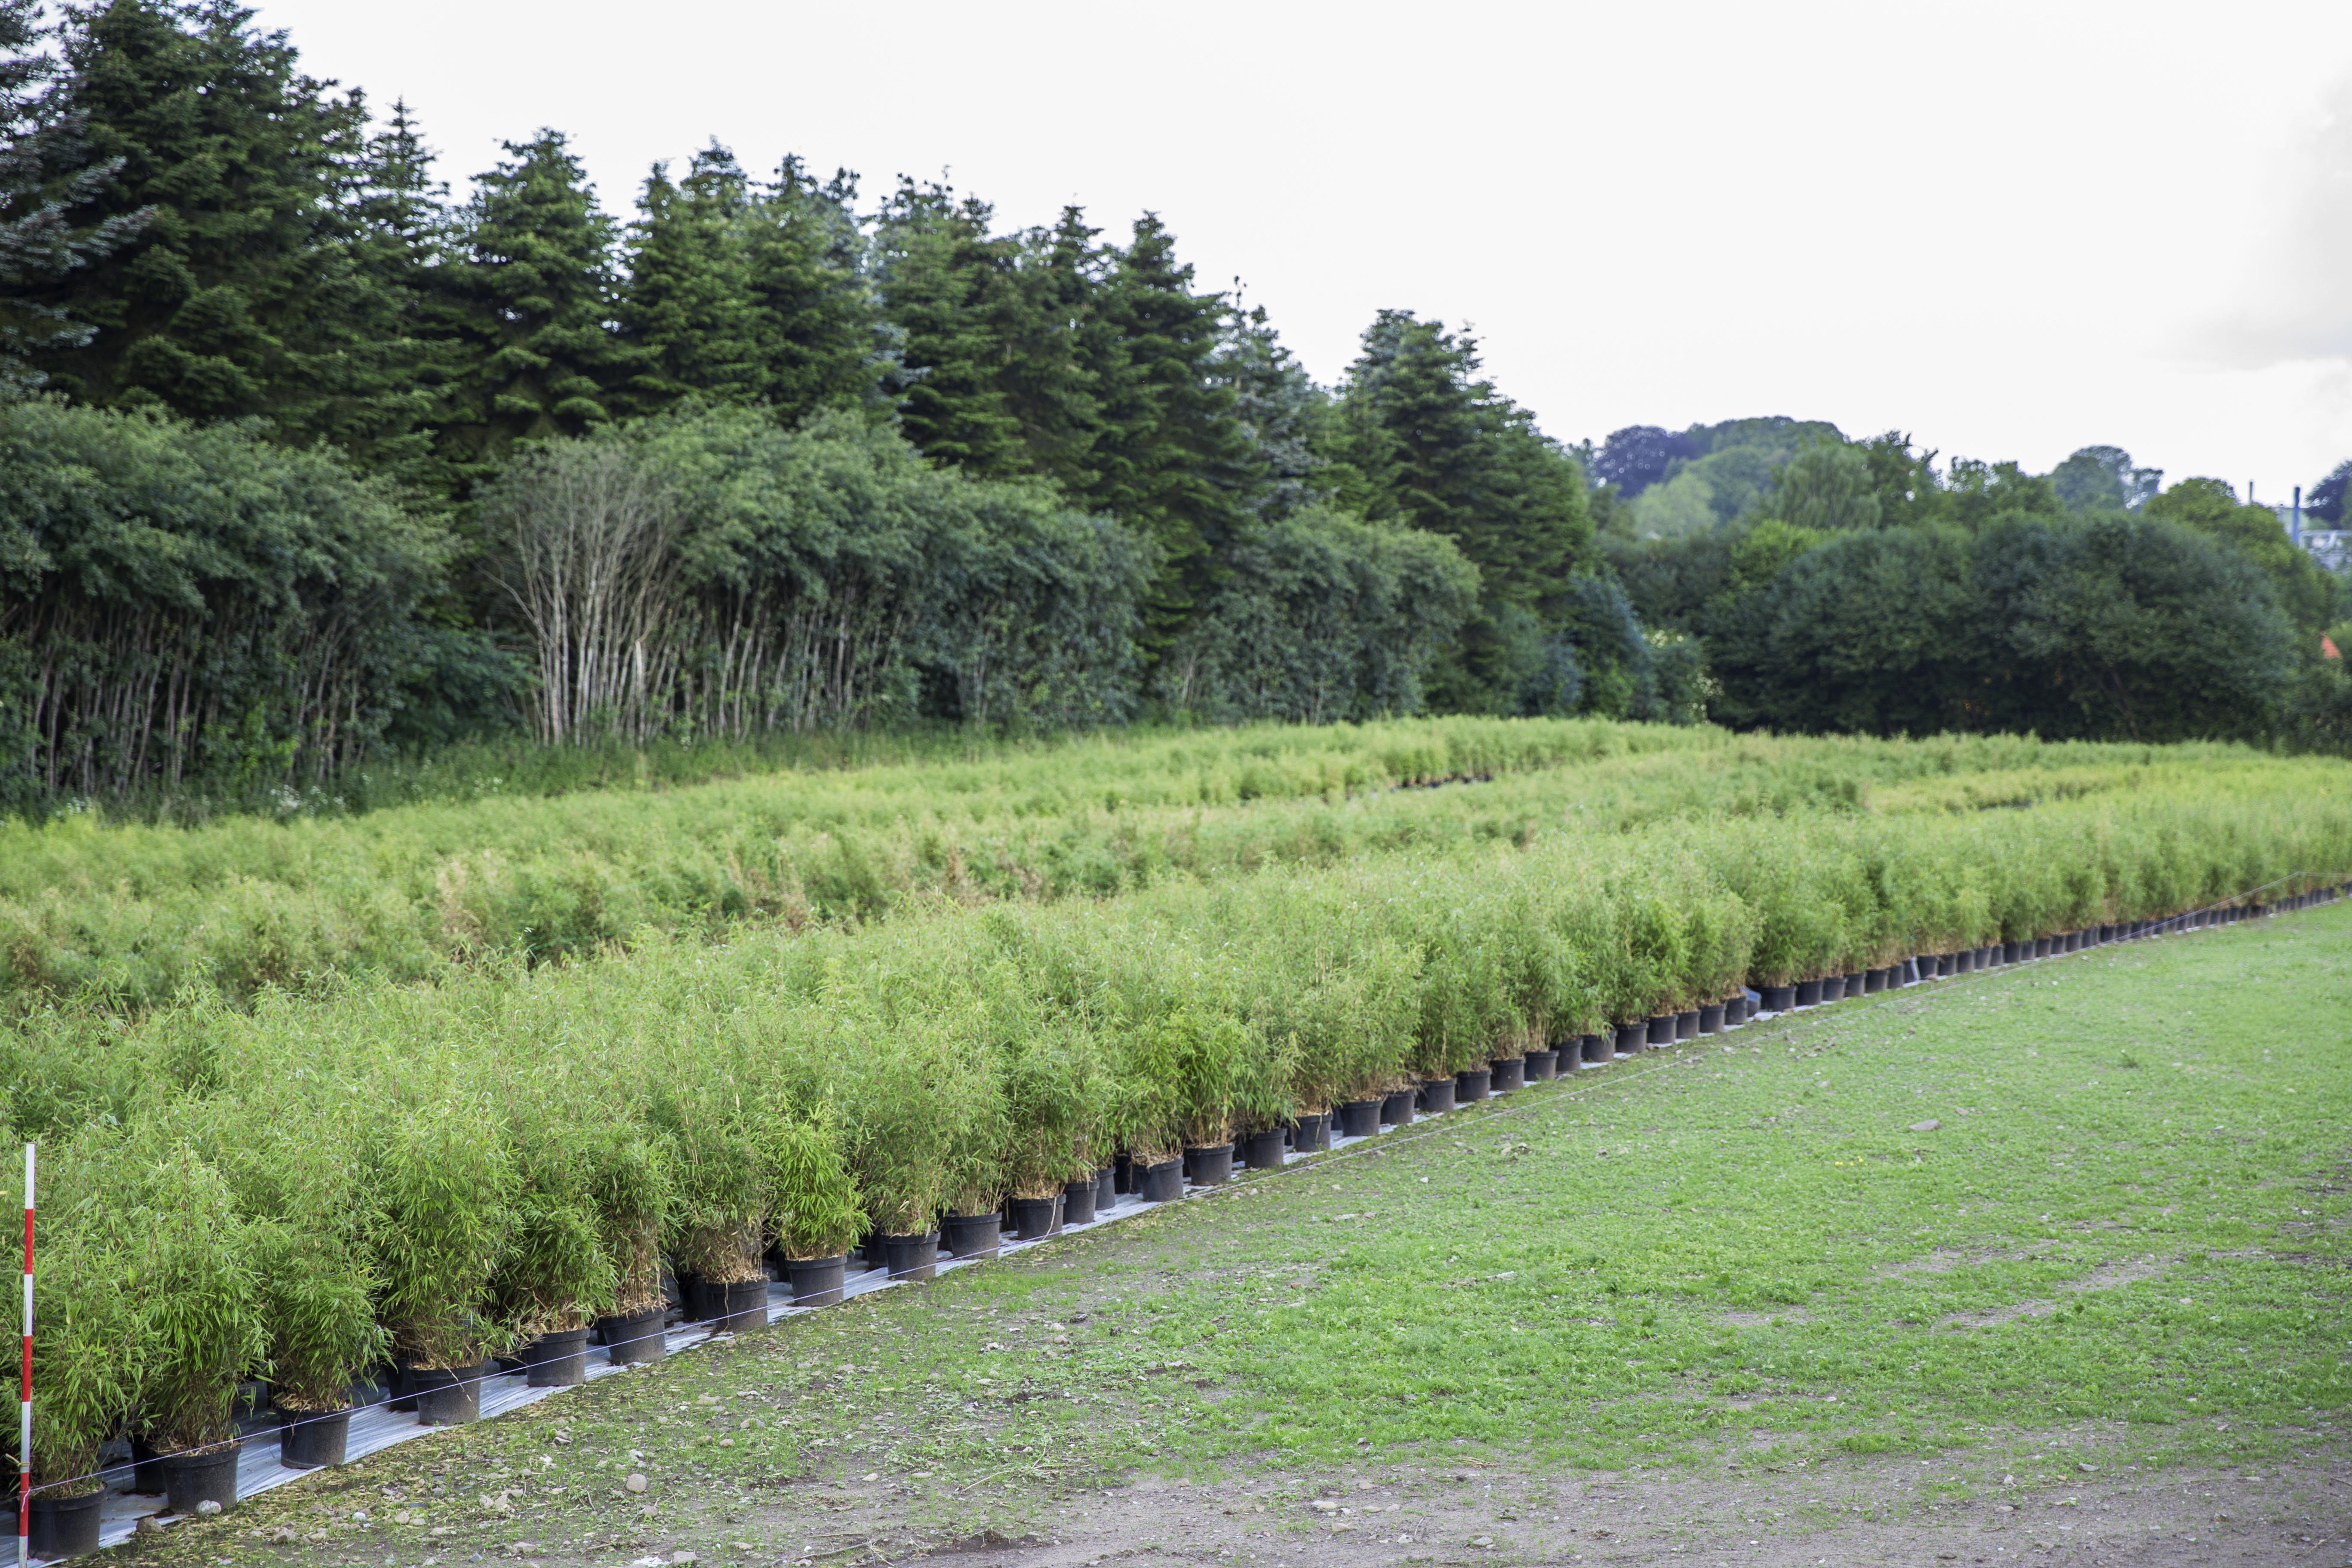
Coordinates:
[2323,503]
[2104,479]
[1638,456]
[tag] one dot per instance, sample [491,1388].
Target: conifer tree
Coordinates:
[951,289]
[689,306]
[1420,439]
[47,177]
[1445,451]
[528,301]
[239,296]
[821,340]
[400,353]
[1053,342]
[1283,413]
[1172,459]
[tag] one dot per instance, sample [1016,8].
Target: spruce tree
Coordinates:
[689,307]
[239,296]
[47,178]
[1422,440]
[1443,450]
[1282,411]
[398,352]
[1054,337]
[817,324]
[528,301]
[1171,457]
[952,291]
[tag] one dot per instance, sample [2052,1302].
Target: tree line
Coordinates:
[305,458]
[1841,585]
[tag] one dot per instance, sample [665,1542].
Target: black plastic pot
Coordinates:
[1471,1084]
[975,1235]
[1780,998]
[1359,1117]
[1107,1190]
[1079,1202]
[1264,1150]
[1035,1217]
[638,1336]
[1396,1109]
[401,1399]
[1437,1096]
[447,1395]
[65,1526]
[1687,1024]
[1832,987]
[1809,993]
[559,1360]
[2008,952]
[1163,1182]
[817,1282]
[699,1299]
[744,1306]
[1505,1074]
[1212,1165]
[1595,1050]
[911,1256]
[1660,1031]
[1710,1018]
[208,1476]
[146,1468]
[1856,984]
[1631,1038]
[309,1442]
[1542,1066]
[1965,960]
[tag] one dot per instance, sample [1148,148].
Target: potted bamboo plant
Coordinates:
[630,1181]
[717,1226]
[815,1213]
[1052,1109]
[913,1107]
[310,1205]
[202,1322]
[446,1185]
[554,1277]
[318,1306]
[88,1358]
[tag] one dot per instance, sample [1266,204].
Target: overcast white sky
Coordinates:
[2011,229]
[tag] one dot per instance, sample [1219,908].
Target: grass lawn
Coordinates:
[2049,1259]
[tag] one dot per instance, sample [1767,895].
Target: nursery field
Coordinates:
[380,1176]
[128,915]
[2044,1263]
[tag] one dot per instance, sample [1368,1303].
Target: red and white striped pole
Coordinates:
[24,1407]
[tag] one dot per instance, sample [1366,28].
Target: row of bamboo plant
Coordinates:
[126,915]
[304,1187]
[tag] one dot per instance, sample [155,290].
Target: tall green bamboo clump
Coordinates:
[309,1187]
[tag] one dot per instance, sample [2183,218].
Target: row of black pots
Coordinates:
[68,1526]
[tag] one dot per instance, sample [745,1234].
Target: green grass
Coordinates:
[2124,1246]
